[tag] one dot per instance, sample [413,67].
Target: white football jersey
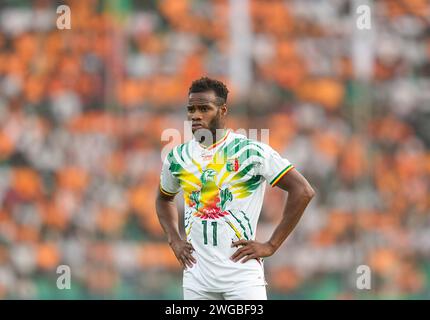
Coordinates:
[223,188]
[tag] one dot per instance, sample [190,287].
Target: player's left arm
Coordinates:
[300,193]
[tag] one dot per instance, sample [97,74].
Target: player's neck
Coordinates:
[217,137]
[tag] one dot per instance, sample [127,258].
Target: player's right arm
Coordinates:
[168,216]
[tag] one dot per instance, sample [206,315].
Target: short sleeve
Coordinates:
[169,184]
[273,167]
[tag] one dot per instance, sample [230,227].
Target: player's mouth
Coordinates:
[197,126]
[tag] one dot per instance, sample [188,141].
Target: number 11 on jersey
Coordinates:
[214,232]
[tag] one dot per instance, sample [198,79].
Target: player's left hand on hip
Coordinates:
[251,250]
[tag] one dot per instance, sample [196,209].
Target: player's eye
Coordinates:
[191,109]
[203,108]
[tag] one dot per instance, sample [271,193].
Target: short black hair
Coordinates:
[207,84]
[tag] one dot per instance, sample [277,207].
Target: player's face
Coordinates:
[203,111]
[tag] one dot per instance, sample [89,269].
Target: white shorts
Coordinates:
[245,293]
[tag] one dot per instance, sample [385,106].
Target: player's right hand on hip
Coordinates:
[183,252]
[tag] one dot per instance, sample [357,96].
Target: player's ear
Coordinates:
[224,109]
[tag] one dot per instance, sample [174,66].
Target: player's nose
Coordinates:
[197,116]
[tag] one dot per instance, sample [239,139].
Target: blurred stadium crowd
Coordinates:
[82,112]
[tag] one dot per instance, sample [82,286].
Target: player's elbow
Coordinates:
[307,192]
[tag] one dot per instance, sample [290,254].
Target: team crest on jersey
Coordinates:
[233,165]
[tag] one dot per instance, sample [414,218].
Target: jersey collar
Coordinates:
[217,143]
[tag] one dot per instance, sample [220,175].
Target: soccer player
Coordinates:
[223,185]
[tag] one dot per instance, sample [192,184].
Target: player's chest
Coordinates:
[208,167]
